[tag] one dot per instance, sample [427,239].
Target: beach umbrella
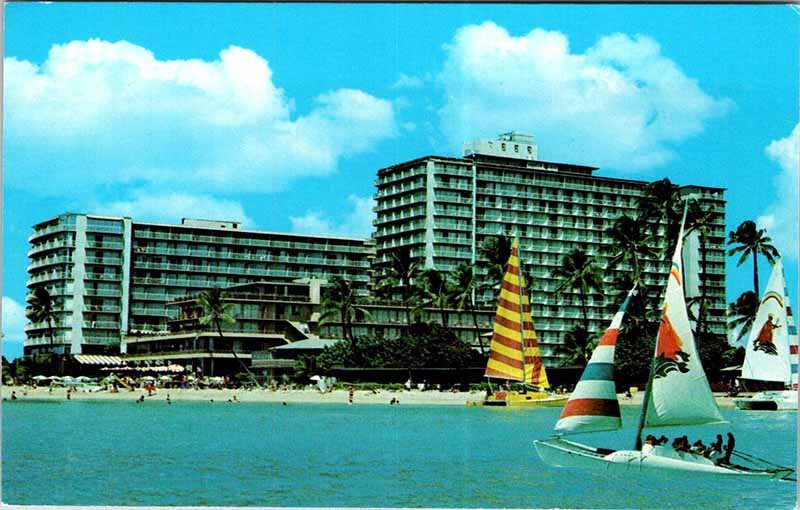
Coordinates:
[315,378]
[147,378]
[41,378]
[165,378]
[175,368]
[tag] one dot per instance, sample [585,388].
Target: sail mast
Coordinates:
[649,388]
[521,312]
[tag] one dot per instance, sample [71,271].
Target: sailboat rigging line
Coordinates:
[753,458]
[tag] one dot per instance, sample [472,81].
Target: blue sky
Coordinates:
[280,115]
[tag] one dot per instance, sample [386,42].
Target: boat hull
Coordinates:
[769,401]
[563,453]
[514,399]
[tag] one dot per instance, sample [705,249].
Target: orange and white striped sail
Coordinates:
[506,359]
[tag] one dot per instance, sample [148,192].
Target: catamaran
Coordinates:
[677,393]
[508,360]
[771,351]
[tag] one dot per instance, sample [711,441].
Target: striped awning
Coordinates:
[90,359]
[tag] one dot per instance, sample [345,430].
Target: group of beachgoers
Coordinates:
[714,451]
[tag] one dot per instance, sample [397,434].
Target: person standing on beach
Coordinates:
[13,395]
[350,396]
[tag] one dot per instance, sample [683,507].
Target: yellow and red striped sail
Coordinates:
[505,359]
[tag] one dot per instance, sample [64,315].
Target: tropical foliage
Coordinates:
[493,257]
[399,273]
[216,312]
[339,303]
[576,347]
[662,204]
[742,313]
[41,310]
[422,345]
[750,241]
[465,287]
[579,272]
[630,245]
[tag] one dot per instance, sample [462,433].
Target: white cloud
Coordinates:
[108,112]
[356,223]
[780,217]
[170,207]
[13,319]
[621,103]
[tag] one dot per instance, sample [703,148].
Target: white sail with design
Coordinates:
[767,353]
[680,391]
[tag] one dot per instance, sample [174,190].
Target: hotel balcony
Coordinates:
[51,276]
[102,292]
[51,245]
[60,227]
[322,246]
[115,325]
[105,245]
[39,263]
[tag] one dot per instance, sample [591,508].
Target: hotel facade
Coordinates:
[443,209]
[111,276]
[114,278]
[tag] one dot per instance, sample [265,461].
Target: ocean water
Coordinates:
[249,454]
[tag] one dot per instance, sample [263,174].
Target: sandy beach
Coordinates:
[278,396]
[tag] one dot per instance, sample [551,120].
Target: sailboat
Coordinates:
[677,393]
[771,351]
[508,359]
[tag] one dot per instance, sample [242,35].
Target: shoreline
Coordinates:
[414,397]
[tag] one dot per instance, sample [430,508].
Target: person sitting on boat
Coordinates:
[677,444]
[698,447]
[728,449]
[681,444]
[662,440]
[714,452]
[649,442]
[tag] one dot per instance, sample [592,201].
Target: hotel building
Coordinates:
[444,208]
[111,276]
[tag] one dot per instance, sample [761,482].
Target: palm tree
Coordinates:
[437,291]
[215,312]
[493,257]
[340,302]
[400,272]
[661,204]
[700,220]
[750,240]
[631,244]
[579,272]
[41,310]
[742,313]
[576,347]
[465,284]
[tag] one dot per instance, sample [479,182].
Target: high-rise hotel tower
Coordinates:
[444,208]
